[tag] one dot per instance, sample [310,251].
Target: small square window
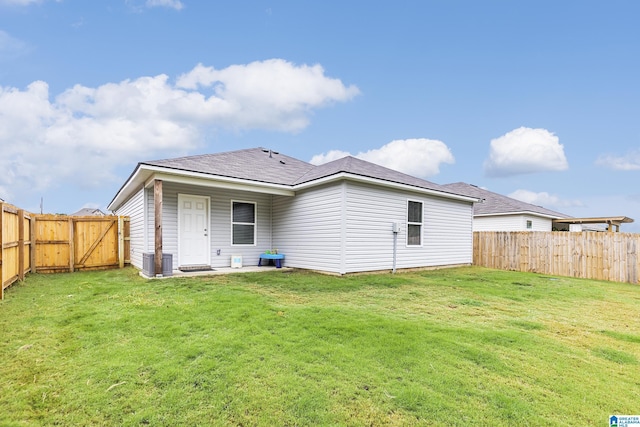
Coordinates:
[529,225]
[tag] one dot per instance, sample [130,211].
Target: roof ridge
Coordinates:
[203,155]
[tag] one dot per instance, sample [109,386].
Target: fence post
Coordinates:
[21,244]
[72,247]
[32,238]
[121,241]
[1,250]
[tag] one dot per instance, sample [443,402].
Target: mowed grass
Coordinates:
[455,347]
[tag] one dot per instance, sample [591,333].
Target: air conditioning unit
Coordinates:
[148,264]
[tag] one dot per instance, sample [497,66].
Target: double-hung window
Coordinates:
[414,223]
[243,223]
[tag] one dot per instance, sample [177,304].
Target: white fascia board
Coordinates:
[518,213]
[205,180]
[383,183]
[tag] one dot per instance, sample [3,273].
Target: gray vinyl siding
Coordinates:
[219,219]
[511,223]
[370,213]
[307,228]
[345,228]
[134,209]
[448,232]
[340,227]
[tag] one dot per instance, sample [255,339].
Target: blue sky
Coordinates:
[538,100]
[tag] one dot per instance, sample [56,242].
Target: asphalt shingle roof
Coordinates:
[495,203]
[363,168]
[262,165]
[254,164]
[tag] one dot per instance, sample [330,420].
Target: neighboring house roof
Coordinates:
[497,204]
[89,212]
[272,171]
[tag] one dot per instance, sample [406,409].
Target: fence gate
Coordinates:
[78,243]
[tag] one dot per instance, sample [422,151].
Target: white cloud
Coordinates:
[630,162]
[84,133]
[330,156]
[173,4]
[525,150]
[272,94]
[543,199]
[419,157]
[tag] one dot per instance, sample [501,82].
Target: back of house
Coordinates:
[345,216]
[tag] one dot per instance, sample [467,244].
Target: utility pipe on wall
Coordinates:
[395,228]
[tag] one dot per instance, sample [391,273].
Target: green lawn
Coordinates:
[455,347]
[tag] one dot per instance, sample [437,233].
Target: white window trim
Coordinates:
[255,223]
[421,224]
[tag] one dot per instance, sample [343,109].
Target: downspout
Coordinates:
[395,228]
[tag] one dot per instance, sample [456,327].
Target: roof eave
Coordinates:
[145,172]
[519,213]
[375,181]
[126,190]
[597,220]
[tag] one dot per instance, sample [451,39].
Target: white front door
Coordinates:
[193,230]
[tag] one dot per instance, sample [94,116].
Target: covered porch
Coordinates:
[220,232]
[612,223]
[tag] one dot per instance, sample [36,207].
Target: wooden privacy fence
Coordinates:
[589,255]
[70,243]
[16,245]
[59,243]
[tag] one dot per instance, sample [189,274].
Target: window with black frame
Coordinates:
[243,223]
[414,223]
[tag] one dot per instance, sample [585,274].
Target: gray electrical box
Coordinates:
[395,227]
[149,265]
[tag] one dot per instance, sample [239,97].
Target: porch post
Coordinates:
[157,201]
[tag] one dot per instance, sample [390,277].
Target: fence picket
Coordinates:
[590,255]
[50,243]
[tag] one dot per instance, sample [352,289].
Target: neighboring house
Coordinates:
[338,217]
[598,224]
[496,212]
[88,212]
